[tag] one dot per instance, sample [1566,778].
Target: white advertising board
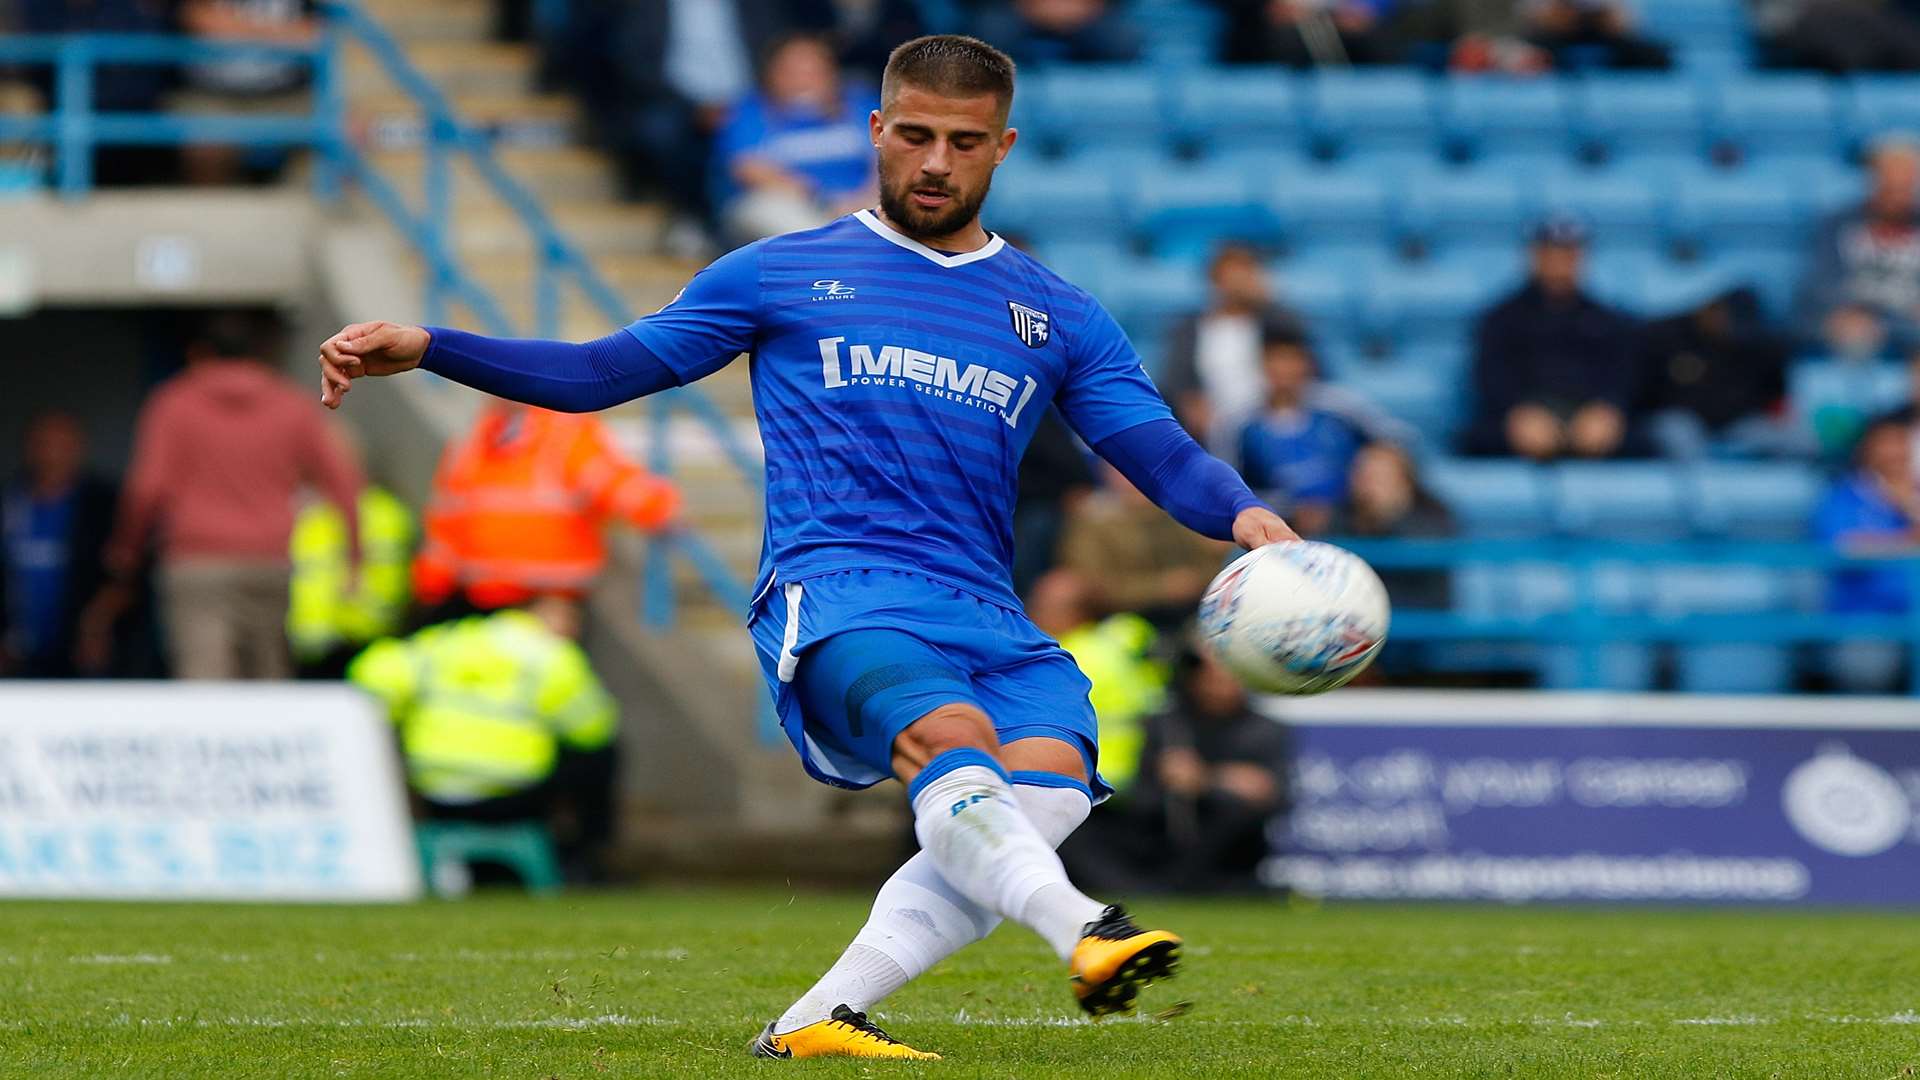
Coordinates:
[228,791]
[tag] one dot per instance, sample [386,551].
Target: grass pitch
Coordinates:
[671,984]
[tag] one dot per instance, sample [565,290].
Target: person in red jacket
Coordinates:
[220,453]
[519,508]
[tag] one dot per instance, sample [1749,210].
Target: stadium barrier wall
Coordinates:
[1523,797]
[200,791]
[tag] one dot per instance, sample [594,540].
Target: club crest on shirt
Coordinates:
[1029,324]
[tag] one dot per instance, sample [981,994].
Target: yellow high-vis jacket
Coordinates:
[322,614]
[1116,656]
[485,704]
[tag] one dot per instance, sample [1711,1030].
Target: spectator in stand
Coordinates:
[117,88]
[54,522]
[796,153]
[1309,33]
[1841,36]
[501,720]
[1553,368]
[1874,510]
[863,32]
[519,507]
[1212,376]
[1117,654]
[1137,558]
[1714,383]
[1386,499]
[1054,477]
[1298,449]
[242,85]
[1211,779]
[1587,34]
[1861,295]
[220,454]
[658,80]
[333,613]
[1060,32]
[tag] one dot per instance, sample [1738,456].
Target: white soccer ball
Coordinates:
[1295,618]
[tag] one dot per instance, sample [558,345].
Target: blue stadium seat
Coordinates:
[1185,212]
[1655,287]
[1177,33]
[1427,398]
[1482,114]
[1145,295]
[1753,500]
[1622,206]
[1725,667]
[1821,184]
[1422,303]
[1444,209]
[1086,263]
[1778,115]
[1372,108]
[1877,105]
[1492,498]
[1339,207]
[1262,166]
[1091,104]
[1053,202]
[1835,397]
[1623,668]
[1772,273]
[1218,110]
[1627,116]
[1322,294]
[1735,210]
[1636,499]
[1733,668]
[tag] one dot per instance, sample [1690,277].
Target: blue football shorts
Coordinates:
[854,657]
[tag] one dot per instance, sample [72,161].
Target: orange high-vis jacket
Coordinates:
[519,505]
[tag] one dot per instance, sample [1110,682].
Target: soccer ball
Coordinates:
[1295,618]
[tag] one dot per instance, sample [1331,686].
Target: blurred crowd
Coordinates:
[246,542]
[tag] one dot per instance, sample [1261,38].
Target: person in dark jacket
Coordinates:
[54,522]
[1714,380]
[1554,369]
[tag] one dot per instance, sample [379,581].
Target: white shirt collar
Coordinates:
[886,232]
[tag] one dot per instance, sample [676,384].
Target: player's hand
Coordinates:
[1258,526]
[372,348]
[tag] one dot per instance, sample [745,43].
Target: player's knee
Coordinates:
[955,726]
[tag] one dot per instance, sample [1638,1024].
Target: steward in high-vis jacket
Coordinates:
[520,504]
[330,615]
[501,716]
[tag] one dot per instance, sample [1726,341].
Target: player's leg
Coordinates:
[919,919]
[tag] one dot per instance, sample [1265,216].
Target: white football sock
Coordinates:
[969,822]
[919,920]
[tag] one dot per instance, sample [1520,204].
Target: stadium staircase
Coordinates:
[712,789]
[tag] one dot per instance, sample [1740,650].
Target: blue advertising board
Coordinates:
[1592,797]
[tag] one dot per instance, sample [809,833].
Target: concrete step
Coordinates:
[456,66]
[551,173]
[414,21]
[392,120]
[597,228]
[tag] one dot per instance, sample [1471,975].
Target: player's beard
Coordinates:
[896,201]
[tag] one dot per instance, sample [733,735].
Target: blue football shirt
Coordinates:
[896,388]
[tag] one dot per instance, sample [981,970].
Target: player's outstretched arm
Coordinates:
[1199,490]
[559,375]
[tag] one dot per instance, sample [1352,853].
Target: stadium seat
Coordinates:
[1331,207]
[1694,24]
[1420,303]
[1425,398]
[1725,667]
[1621,205]
[1773,274]
[1623,668]
[1627,117]
[1777,115]
[1177,34]
[1323,295]
[1185,212]
[1145,295]
[1619,499]
[1444,209]
[1718,211]
[1876,105]
[1835,397]
[1483,114]
[1492,498]
[1752,500]
[1655,287]
[1048,203]
[1733,668]
[1219,110]
[1097,104]
[1376,108]
[1085,263]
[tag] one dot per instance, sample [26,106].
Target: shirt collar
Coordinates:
[886,232]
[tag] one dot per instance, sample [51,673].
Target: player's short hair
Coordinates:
[951,65]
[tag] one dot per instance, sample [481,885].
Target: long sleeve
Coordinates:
[146,487]
[1197,489]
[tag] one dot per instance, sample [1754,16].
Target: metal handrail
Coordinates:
[72,127]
